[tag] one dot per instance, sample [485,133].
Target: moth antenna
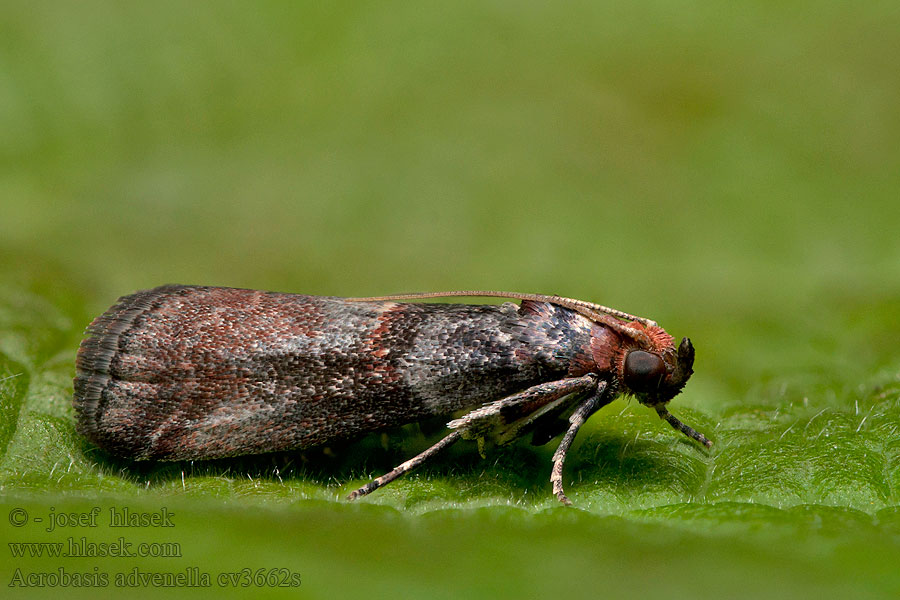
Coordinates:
[621,327]
[585,308]
[674,422]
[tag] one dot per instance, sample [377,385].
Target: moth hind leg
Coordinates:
[405,467]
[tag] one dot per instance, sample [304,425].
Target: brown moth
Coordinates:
[190,372]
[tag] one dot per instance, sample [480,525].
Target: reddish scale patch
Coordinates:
[378,343]
[582,361]
[606,347]
[228,323]
[181,359]
[660,341]
[609,349]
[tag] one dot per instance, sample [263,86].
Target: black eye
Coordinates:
[643,371]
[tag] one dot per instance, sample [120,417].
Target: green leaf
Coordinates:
[731,172]
[803,489]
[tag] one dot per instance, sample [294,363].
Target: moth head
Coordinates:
[656,375]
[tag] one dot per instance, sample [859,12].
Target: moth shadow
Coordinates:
[629,466]
[609,461]
[519,470]
[334,464]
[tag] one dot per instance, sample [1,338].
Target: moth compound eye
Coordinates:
[643,371]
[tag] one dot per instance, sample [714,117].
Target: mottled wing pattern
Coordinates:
[183,372]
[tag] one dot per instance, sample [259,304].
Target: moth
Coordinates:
[185,372]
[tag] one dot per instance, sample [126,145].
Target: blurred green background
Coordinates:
[731,172]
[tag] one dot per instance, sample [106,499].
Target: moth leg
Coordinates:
[405,467]
[596,401]
[523,408]
[540,417]
[672,420]
[520,409]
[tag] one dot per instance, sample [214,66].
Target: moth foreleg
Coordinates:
[596,401]
[405,467]
[510,417]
